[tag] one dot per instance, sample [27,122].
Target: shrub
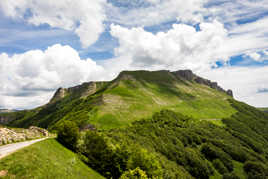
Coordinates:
[146,161]
[134,174]
[254,170]
[230,176]
[110,162]
[68,134]
[212,152]
[196,165]
[219,166]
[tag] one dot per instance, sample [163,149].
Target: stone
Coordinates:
[230,92]
[185,74]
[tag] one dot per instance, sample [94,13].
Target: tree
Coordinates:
[146,161]
[68,134]
[134,174]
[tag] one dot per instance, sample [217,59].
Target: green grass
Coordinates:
[46,159]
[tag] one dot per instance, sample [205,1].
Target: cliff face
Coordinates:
[190,76]
[82,90]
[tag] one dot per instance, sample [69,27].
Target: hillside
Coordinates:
[132,95]
[46,159]
[170,145]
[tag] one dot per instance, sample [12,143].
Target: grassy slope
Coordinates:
[140,97]
[46,159]
[132,96]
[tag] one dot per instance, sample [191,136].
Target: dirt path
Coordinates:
[10,148]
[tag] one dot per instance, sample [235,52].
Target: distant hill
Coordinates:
[132,95]
[7,110]
[263,109]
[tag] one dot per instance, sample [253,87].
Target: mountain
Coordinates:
[156,124]
[131,96]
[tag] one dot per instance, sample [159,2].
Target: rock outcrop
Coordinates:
[82,90]
[190,76]
[8,136]
[60,93]
[37,130]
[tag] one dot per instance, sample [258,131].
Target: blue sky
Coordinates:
[222,40]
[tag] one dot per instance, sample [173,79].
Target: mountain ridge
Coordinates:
[88,88]
[132,95]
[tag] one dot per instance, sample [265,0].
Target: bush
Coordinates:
[212,152]
[110,162]
[230,176]
[68,134]
[219,166]
[134,174]
[146,161]
[196,165]
[254,170]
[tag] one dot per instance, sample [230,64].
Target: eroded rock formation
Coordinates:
[190,76]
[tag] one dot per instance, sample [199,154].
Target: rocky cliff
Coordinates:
[190,76]
[82,90]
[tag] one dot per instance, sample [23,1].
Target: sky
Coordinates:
[47,44]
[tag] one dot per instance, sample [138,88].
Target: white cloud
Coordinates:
[84,17]
[159,11]
[180,47]
[246,82]
[255,56]
[38,73]
[230,11]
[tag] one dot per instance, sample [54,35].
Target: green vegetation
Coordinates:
[172,145]
[155,125]
[68,134]
[130,97]
[46,159]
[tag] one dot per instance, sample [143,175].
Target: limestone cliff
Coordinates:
[190,76]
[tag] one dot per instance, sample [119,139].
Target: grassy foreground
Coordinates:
[46,159]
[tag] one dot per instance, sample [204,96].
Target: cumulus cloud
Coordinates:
[38,73]
[246,82]
[180,47]
[83,17]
